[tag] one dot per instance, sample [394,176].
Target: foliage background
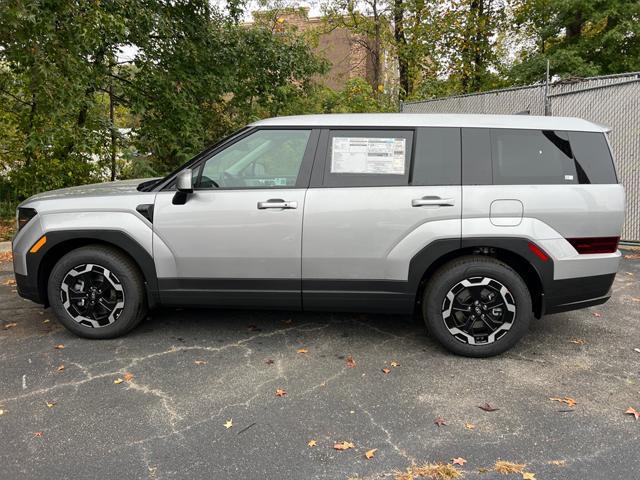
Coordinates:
[74,109]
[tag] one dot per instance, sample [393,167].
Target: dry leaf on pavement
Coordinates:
[7,326]
[439,421]
[60,368]
[344,445]
[596,314]
[302,350]
[566,400]
[395,364]
[469,426]
[200,362]
[280,392]
[369,454]
[578,341]
[312,443]
[487,408]
[228,424]
[351,363]
[385,370]
[128,377]
[528,476]
[51,403]
[633,411]
[118,381]
[38,434]
[60,346]
[2,411]
[458,461]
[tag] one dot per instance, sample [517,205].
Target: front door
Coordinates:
[237,239]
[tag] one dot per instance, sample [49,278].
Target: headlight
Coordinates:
[24,215]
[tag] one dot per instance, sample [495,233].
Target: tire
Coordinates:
[97,292]
[465,300]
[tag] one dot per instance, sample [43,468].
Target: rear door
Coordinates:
[377,197]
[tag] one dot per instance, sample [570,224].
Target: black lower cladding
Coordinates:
[576,293]
[27,288]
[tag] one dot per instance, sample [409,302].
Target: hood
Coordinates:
[119,187]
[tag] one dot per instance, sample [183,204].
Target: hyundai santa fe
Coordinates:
[477,223]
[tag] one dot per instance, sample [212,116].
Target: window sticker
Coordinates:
[368,155]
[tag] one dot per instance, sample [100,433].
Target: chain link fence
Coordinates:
[612,100]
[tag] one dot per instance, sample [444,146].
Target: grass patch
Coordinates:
[434,471]
[504,467]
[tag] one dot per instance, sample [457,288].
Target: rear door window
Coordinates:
[593,157]
[437,158]
[531,157]
[361,158]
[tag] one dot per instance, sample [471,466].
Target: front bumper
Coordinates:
[27,288]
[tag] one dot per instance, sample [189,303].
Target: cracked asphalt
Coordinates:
[167,421]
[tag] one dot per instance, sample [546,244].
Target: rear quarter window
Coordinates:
[594,162]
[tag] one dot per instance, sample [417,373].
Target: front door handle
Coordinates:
[433,201]
[276,203]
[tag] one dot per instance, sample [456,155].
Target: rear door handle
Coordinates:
[433,201]
[276,203]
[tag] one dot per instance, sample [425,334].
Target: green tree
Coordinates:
[579,38]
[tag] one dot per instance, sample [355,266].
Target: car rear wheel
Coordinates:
[477,306]
[97,291]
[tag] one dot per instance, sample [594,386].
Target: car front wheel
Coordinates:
[97,291]
[477,306]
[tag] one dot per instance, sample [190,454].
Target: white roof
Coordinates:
[434,120]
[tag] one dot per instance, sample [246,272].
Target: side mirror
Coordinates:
[184,186]
[184,181]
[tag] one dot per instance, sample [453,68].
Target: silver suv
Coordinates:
[476,222]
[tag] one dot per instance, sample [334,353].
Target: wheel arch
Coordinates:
[515,252]
[60,243]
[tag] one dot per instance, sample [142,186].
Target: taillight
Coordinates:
[595,244]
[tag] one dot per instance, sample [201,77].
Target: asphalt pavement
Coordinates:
[154,404]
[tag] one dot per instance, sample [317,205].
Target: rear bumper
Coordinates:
[576,293]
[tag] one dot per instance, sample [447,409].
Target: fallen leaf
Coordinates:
[369,454]
[268,361]
[60,346]
[351,363]
[60,368]
[7,326]
[38,434]
[469,426]
[487,408]
[558,463]
[228,424]
[280,392]
[385,370]
[566,400]
[51,403]
[344,445]
[458,461]
[118,381]
[632,256]
[578,341]
[302,350]
[9,282]
[635,299]
[502,466]
[596,314]
[128,377]
[46,320]
[395,364]
[200,362]
[633,411]
[312,443]
[528,476]
[439,421]
[2,411]
[636,350]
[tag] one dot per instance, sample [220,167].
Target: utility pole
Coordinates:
[547,100]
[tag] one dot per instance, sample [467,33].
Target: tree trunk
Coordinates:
[401,45]
[113,131]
